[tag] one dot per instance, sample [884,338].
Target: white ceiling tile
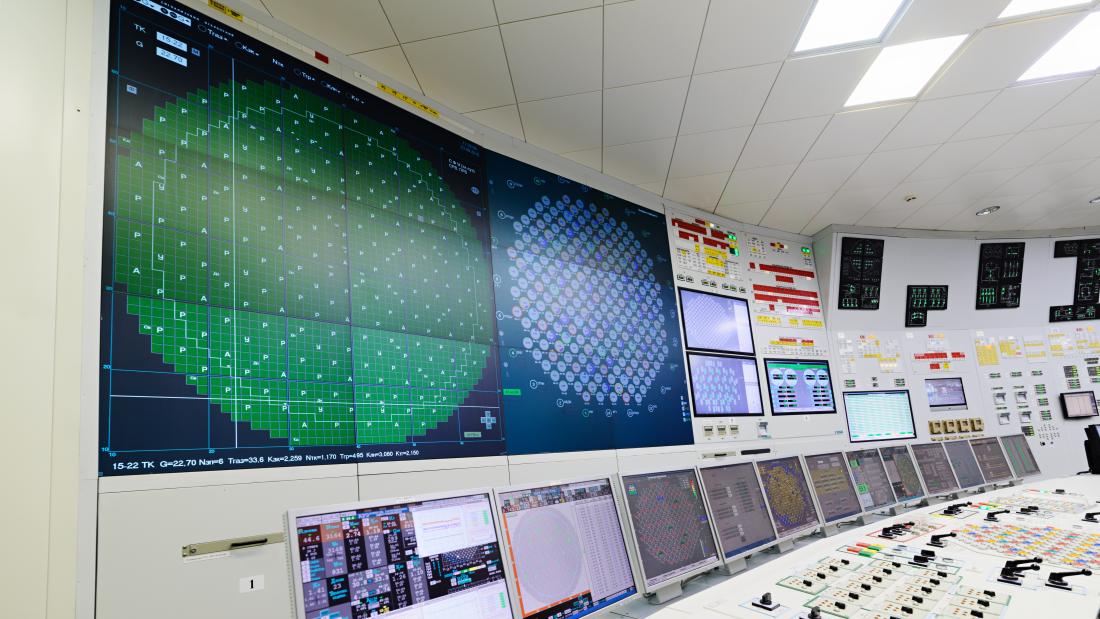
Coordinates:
[556,55]
[421,19]
[347,25]
[1016,108]
[816,85]
[745,212]
[1080,107]
[643,111]
[932,216]
[563,124]
[465,71]
[955,158]
[699,191]
[727,99]
[654,188]
[740,33]
[1086,177]
[504,119]
[757,184]
[1028,147]
[934,121]
[930,19]
[883,218]
[1085,145]
[998,56]
[888,167]
[650,40]
[640,162]
[975,186]
[591,157]
[390,61]
[821,176]
[967,220]
[257,4]
[782,142]
[793,213]
[706,153]
[1037,178]
[921,192]
[856,132]
[845,208]
[514,10]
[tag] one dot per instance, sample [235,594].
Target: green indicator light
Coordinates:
[515,392]
[805,250]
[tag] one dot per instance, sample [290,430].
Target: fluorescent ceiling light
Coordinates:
[901,71]
[841,22]
[1026,7]
[1077,52]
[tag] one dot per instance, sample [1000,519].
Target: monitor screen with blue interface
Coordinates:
[566,547]
[869,475]
[724,386]
[672,531]
[833,486]
[965,464]
[437,557]
[945,394]
[879,416]
[789,496]
[299,270]
[716,323]
[799,387]
[738,508]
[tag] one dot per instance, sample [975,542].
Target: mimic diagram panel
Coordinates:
[706,253]
[860,273]
[783,282]
[298,273]
[1000,275]
[919,300]
[1086,283]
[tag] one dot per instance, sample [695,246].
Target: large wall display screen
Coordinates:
[296,272]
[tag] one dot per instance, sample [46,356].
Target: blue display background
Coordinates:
[591,355]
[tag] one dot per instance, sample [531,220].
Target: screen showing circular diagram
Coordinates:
[799,387]
[788,492]
[722,386]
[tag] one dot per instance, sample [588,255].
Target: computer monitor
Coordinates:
[964,463]
[1019,455]
[788,493]
[431,556]
[879,415]
[869,474]
[1078,404]
[935,468]
[902,473]
[991,459]
[945,394]
[724,386]
[799,387]
[566,548]
[738,508]
[716,323]
[671,530]
[836,496]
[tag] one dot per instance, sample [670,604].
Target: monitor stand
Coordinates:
[734,566]
[786,545]
[667,592]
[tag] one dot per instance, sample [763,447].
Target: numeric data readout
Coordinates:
[1020,455]
[902,473]
[965,464]
[869,474]
[833,486]
[738,507]
[991,459]
[935,468]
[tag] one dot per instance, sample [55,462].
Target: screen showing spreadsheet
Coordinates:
[869,474]
[432,557]
[935,468]
[737,505]
[566,547]
[724,386]
[991,459]
[799,387]
[833,486]
[966,466]
[902,473]
[716,323]
[1078,405]
[789,499]
[1019,455]
[879,415]
[672,531]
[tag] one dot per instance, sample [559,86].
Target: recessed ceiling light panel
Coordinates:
[989,210]
[1027,7]
[902,71]
[1095,200]
[844,22]
[1077,52]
